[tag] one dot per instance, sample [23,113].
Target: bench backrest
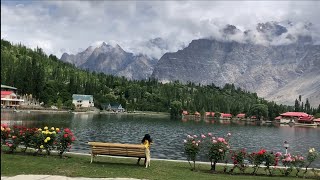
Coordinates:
[117,149]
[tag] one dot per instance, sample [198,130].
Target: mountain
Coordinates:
[112,60]
[280,73]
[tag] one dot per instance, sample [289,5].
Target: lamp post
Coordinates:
[286,145]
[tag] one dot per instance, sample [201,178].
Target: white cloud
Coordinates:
[59,26]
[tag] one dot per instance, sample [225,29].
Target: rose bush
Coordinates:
[238,158]
[64,140]
[191,149]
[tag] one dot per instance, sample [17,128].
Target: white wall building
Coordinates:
[81,100]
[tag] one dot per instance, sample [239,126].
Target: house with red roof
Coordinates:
[185,113]
[197,113]
[291,117]
[241,116]
[226,116]
[10,99]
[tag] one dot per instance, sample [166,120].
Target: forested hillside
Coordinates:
[53,82]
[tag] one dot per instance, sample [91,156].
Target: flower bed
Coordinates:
[37,138]
[217,149]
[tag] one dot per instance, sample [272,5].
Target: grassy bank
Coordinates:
[79,166]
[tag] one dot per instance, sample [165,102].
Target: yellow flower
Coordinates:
[41,147]
[48,138]
[52,128]
[50,132]
[45,128]
[43,132]
[53,132]
[57,129]
[39,129]
[2,128]
[45,140]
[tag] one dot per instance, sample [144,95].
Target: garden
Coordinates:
[218,149]
[19,141]
[38,139]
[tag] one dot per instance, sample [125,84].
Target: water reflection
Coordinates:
[168,134]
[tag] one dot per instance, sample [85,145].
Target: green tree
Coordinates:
[175,108]
[259,110]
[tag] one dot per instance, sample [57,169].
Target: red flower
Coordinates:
[65,135]
[73,138]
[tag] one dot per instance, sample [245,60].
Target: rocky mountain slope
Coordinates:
[112,60]
[280,73]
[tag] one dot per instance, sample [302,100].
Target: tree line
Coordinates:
[53,82]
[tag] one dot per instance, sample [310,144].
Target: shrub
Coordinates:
[191,149]
[256,159]
[5,133]
[238,158]
[64,140]
[311,157]
[287,163]
[217,150]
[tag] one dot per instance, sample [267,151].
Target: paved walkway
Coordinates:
[50,177]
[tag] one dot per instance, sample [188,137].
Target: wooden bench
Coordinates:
[117,149]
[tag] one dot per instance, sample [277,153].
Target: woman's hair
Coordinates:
[146,137]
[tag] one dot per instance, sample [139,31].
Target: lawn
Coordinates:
[79,166]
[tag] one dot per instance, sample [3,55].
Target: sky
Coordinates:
[72,26]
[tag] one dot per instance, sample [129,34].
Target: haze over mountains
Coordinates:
[279,61]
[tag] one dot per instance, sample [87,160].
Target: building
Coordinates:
[9,98]
[115,107]
[291,117]
[241,116]
[226,116]
[82,101]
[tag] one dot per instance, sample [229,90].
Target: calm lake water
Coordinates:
[168,134]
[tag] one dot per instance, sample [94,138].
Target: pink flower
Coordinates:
[220,150]
[221,139]
[278,154]
[73,138]
[199,141]
[193,142]
[209,134]
[65,135]
[67,130]
[195,136]
[13,137]
[203,136]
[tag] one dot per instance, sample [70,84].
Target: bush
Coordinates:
[191,149]
[46,139]
[64,140]
[238,158]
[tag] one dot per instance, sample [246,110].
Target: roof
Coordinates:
[226,115]
[197,113]
[241,115]
[295,114]
[317,120]
[6,92]
[305,118]
[278,118]
[7,87]
[185,112]
[82,97]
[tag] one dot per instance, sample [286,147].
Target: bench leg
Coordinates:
[92,156]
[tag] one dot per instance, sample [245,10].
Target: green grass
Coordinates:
[111,167]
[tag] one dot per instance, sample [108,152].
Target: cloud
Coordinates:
[67,26]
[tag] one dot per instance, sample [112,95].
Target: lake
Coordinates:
[168,135]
